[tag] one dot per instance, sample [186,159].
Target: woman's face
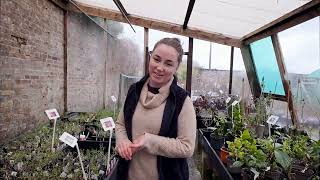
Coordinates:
[163,65]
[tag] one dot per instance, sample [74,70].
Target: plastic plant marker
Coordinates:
[82,168]
[272,120]
[234,103]
[53,114]
[108,125]
[73,141]
[54,130]
[255,172]
[114,100]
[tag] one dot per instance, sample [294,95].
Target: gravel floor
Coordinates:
[194,173]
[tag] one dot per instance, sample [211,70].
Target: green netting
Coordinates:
[266,65]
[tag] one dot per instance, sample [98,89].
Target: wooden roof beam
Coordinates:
[300,15]
[158,25]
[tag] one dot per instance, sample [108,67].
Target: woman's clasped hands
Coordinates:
[127,149]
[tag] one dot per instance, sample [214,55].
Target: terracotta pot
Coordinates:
[224,153]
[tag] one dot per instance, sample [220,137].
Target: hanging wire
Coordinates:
[75,4]
[124,13]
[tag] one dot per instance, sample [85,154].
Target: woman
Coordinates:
[156,130]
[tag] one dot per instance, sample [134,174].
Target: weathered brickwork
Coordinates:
[31,64]
[86,64]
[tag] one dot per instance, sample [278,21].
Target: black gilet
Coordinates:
[168,168]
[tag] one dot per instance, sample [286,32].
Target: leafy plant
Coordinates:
[296,147]
[315,154]
[238,122]
[245,152]
[221,126]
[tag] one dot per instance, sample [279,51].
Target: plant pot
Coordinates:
[296,173]
[216,141]
[206,133]
[234,171]
[230,138]
[247,174]
[112,174]
[266,131]
[97,144]
[224,153]
[260,130]
[274,174]
[200,124]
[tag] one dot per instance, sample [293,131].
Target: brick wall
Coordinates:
[86,64]
[31,64]
[32,68]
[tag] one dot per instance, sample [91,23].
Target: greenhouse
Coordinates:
[240,100]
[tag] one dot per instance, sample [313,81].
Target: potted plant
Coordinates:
[299,147]
[205,115]
[262,112]
[218,136]
[245,153]
[276,157]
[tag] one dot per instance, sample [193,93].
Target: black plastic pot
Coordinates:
[200,124]
[206,133]
[234,171]
[216,141]
[228,137]
[274,174]
[97,144]
[247,174]
[297,174]
[112,175]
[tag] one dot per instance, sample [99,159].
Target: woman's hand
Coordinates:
[138,143]
[124,150]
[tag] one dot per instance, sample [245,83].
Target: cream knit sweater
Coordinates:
[147,119]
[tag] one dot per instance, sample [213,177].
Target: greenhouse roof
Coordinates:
[222,21]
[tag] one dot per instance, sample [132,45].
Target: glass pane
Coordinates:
[201,53]
[214,81]
[124,56]
[300,47]
[240,83]
[280,108]
[266,65]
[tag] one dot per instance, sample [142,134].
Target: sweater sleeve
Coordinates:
[183,145]
[121,133]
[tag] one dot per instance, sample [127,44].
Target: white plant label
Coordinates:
[228,99]
[234,103]
[273,119]
[52,113]
[194,98]
[255,172]
[68,139]
[107,124]
[114,99]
